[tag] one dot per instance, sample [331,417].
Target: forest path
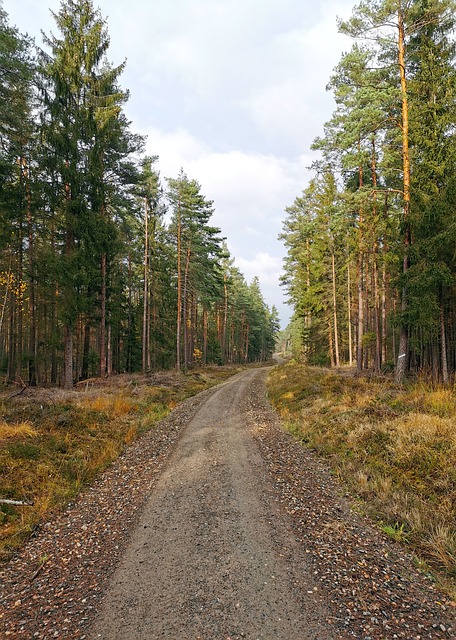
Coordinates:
[218,525]
[206,559]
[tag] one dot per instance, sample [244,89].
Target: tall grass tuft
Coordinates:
[395,447]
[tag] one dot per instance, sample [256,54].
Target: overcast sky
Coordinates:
[232,91]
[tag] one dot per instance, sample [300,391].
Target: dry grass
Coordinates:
[395,447]
[55,442]
[16,430]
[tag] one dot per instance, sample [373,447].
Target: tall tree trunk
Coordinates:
[331,345]
[11,369]
[225,317]
[68,377]
[360,333]
[443,345]
[32,288]
[350,337]
[103,316]
[403,356]
[360,266]
[130,337]
[378,338]
[68,357]
[384,336]
[205,335]
[179,289]
[375,263]
[86,351]
[185,309]
[336,331]
[145,290]
[109,350]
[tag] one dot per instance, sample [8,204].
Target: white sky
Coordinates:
[234,92]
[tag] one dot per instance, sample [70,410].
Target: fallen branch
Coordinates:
[18,503]
[43,561]
[17,393]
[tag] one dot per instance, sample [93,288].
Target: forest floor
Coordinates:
[218,525]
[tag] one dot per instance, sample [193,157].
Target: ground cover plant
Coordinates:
[394,446]
[53,442]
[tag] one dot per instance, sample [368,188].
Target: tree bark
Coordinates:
[179,289]
[103,317]
[32,283]
[350,337]
[68,357]
[403,356]
[145,290]
[443,346]
[336,331]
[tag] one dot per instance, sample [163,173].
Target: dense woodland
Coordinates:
[104,266]
[371,263]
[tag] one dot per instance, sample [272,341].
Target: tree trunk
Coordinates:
[179,290]
[32,296]
[336,332]
[103,317]
[384,336]
[205,335]
[225,317]
[443,345]
[68,357]
[350,337]
[359,346]
[331,345]
[360,265]
[85,352]
[145,290]
[378,338]
[184,309]
[403,356]
[109,350]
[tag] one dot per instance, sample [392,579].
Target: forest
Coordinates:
[370,265]
[105,267]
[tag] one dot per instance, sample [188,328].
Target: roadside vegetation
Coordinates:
[393,446]
[53,443]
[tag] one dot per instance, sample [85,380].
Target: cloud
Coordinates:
[233,91]
[250,190]
[264,265]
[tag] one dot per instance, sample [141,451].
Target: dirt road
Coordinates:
[218,525]
[206,560]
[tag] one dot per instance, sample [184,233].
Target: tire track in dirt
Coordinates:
[207,559]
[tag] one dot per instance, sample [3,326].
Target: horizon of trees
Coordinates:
[371,263]
[104,267]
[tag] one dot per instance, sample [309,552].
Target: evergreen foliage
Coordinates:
[93,279]
[390,235]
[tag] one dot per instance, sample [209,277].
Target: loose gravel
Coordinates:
[218,525]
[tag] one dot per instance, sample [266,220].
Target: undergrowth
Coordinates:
[394,446]
[53,442]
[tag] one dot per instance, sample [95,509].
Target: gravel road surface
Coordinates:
[218,525]
[205,561]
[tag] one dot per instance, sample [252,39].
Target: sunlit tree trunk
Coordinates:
[350,337]
[403,355]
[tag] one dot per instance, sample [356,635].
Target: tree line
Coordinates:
[370,266]
[104,267]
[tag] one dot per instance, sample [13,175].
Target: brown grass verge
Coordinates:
[54,442]
[394,447]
